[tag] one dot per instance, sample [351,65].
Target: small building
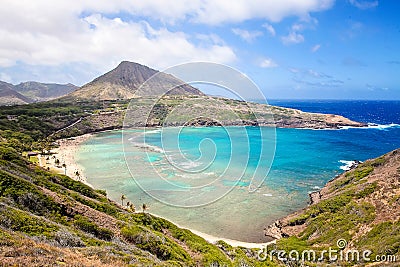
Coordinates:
[31,154]
[12,117]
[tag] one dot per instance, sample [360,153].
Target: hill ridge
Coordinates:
[127,80]
[9,96]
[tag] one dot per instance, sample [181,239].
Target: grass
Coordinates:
[367,190]
[211,254]
[34,159]
[87,226]
[377,239]
[353,176]
[21,221]
[156,244]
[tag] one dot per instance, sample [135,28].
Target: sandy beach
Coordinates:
[213,239]
[233,243]
[65,154]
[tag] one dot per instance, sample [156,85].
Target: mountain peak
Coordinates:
[44,91]
[8,95]
[126,80]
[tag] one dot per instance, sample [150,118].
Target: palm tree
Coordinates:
[132,207]
[123,197]
[144,207]
[78,175]
[65,168]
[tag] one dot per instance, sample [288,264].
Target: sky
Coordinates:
[292,49]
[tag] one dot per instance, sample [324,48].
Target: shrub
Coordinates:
[23,222]
[105,233]
[64,238]
[90,227]
[384,238]
[157,244]
[26,194]
[367,190]
[378,162]
[10,154]
[101,192]
[85,225]
[354,176]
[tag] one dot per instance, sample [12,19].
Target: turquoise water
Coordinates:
[169,167]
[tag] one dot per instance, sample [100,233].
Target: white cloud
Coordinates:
[222,11]
[294,70]
[312,78]
[297,27]
[5,77]
[201,11]
[315,48]
[103,42]
[248,36]
[207,38]
[267,63]
[293,38]
[364,4]
[269,28]
[376,88]
[317,74]
[94,34]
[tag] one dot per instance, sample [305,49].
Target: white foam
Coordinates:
[316,187]
[153,131]
[382,127]
[267,195]
[148,147]
[190,164]
[348,164]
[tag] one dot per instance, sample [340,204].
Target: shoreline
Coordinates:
[213,239]
[65,153]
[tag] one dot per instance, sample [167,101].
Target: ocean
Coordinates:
[199,177]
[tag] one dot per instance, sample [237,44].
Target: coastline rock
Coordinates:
[275,230]
[315,197]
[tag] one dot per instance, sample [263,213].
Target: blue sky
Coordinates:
[295,49]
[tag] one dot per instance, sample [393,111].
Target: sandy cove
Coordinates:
[213,239]
[66,152]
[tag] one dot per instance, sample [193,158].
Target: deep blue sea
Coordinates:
[213,167]
[380,112]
